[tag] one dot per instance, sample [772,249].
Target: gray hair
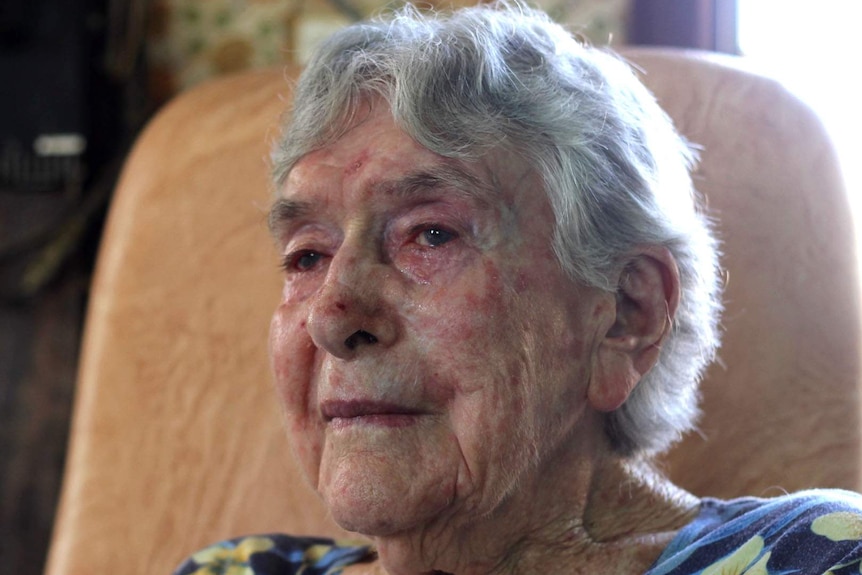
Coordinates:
[615,171]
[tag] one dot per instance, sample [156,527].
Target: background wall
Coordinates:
[191,40]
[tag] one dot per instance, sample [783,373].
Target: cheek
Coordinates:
[459,319]
[288,343]
[292,359]
[474,352]
[298,289]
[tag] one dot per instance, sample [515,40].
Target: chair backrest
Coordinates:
[781,406]
[177,440]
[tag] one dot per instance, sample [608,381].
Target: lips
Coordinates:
[352,412]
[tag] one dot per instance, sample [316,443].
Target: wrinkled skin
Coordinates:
[434,362]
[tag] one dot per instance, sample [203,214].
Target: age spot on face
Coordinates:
[354,166]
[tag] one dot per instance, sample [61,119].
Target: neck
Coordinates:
[598,514]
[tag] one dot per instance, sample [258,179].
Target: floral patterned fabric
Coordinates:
[276,555]
[813,532]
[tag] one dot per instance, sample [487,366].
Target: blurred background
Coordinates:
[79,79]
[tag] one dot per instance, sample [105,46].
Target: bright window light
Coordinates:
[813,48]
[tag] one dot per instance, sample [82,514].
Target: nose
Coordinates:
[350,315]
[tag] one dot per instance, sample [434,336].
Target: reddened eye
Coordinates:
[435,236]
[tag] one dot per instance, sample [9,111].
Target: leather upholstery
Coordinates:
[176,440]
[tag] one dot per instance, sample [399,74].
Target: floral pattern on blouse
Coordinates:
[816,532]
[810,533]
[276,555]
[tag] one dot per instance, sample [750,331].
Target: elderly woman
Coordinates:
[499,295]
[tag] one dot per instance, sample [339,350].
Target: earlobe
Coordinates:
[645,303]
[613,378]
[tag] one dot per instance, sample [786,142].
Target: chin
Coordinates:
[380,502]
[368,523]
[370,514]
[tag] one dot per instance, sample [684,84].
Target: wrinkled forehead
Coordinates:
[374,144]
[376,158]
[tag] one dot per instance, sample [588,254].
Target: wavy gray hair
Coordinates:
[615,171]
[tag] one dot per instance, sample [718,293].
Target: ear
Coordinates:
[646,300]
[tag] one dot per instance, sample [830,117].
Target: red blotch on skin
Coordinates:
[475,300]
[357,163]
[340,306]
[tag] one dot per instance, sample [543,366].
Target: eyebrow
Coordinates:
[448,175]
[284,211]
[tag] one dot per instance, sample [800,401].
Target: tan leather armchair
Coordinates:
[177,442]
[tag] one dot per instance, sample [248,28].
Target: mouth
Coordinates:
[344,413]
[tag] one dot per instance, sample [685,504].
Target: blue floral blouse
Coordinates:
[812,532]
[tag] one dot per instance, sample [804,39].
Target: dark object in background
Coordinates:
[64,124]
[61,125]
[55,109]
[698,24]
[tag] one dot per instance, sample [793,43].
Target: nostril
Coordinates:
[359,337]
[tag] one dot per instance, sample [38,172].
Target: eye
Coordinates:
[301,261]
[434,236]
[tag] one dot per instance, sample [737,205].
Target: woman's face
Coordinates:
[428,351]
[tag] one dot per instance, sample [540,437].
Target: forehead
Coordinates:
[377,168]
[373,138]
[376,156]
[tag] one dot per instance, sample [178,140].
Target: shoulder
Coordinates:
[814,531]
[275,555]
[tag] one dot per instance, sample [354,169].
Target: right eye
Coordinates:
[301,261]
[435,236]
